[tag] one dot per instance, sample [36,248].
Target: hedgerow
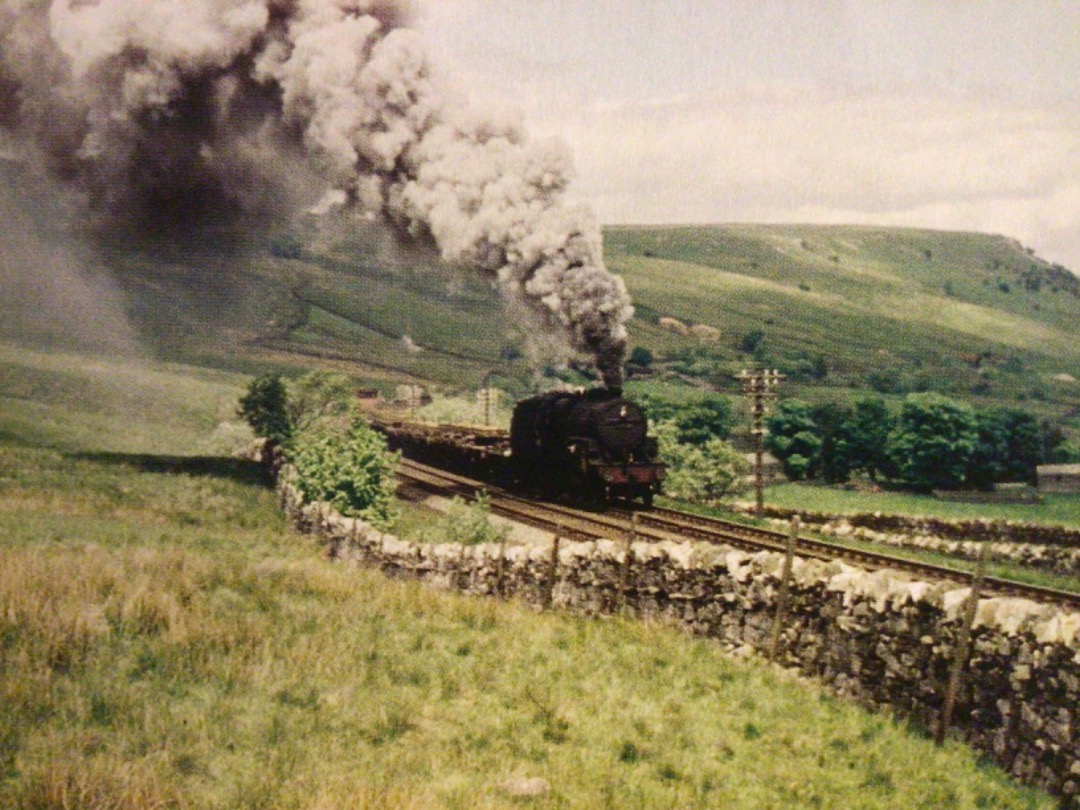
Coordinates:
[698,473]
[347,465]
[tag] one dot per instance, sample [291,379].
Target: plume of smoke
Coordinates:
[72,303]
[168,115]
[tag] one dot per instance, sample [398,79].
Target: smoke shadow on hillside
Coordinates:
[243,471]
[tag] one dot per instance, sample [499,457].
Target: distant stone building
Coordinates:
[1058,478]
[772,471]
[704,333]
[674,325]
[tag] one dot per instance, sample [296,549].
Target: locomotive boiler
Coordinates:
[592,445]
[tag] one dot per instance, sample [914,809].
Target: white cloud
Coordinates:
[938,160]
[923,114]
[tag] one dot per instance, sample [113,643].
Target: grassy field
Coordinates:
[166,641]
[1063,510]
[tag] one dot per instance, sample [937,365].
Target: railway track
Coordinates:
[657,524]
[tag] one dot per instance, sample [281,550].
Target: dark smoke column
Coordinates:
[375,115]
[165,111]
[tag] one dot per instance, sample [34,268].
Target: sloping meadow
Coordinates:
[166,640]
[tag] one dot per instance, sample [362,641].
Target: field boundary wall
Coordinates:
[973,530]
[879,638]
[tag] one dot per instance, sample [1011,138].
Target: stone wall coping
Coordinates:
[884,589]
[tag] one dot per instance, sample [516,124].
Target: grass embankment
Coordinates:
[166,641]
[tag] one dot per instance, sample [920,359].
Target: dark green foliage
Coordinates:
[701,362]
[1065,453]
[987,462]
[793,438]
[319,394]
[864,434]
[1055,447]
[657,409]
[346,465]
[833,464]
[695,422]
[709,418]
[932,441]
[640,361]
[751,341]
[885,381]
[804,367]
[1008,448]
[1023,445]
[263,407]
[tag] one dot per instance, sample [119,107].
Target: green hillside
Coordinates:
[966,314]
[837,308]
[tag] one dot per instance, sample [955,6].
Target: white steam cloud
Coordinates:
[177,115]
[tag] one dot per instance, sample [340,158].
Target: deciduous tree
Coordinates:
[932,441]
[793,437]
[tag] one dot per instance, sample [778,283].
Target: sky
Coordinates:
[944,114]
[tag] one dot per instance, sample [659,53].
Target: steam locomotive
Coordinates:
[593,445]
[590,446]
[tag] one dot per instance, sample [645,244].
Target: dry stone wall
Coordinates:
[1058,559]
[879,637]
[1010,531]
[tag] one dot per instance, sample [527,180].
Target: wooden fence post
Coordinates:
[500,569]
[553,563]
[627,564]
[963,647]
[785,589]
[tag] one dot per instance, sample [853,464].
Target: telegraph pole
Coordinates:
[486,396]
[760,386]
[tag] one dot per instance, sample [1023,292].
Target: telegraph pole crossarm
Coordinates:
[761,387]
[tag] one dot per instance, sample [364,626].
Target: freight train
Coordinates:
[591,446]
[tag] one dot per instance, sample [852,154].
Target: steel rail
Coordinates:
[659,523]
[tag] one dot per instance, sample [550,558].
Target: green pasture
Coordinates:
[167,641]
[1054,509]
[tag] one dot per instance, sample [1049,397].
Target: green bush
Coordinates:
[833,465]
[348,466]
[469,524]
[319,394]
[793,438]
[264,408]
[931,442]
[641,358]
[701,473]
[696,421]
[702,421]
[864,434]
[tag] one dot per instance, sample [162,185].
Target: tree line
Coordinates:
[928,442]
